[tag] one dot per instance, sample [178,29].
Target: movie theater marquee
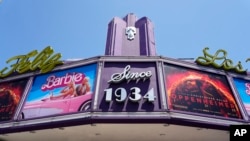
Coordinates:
[155,88]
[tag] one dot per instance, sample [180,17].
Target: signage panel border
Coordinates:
[67,116]
[126,60]
[239,94]
[192,66]
[12,94]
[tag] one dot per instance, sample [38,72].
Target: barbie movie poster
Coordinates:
[243,88]
[61,92]
[10,96]
[199,92]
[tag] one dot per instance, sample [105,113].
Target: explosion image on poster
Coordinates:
[243,88]
[199,92]
[10,96]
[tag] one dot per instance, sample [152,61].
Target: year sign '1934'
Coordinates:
[134,93]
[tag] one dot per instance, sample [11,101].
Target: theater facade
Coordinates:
[128,85]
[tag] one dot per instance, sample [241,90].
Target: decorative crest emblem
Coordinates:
[130,32]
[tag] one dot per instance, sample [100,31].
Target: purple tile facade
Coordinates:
[130,37]
[129,87]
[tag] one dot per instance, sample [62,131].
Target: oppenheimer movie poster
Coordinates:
[199,92]
[10,96]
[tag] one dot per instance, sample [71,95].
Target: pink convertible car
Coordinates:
[61,105]
[247,106]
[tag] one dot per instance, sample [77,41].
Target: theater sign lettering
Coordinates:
[121,94]
[128,76]
[45,61]
[220,61]
[129,87]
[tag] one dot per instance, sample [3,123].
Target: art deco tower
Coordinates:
[130,37]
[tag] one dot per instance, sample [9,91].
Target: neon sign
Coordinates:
[44,61]
[220,55]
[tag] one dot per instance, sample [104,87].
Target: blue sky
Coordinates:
[78,28]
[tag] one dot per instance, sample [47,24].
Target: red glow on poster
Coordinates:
[200,92]
[10,96]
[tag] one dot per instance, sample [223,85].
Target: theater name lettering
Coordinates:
[133,94]
[44,61]
[220,55]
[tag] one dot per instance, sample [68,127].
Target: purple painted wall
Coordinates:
[118,44]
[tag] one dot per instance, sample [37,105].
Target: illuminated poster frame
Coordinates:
[11,97]
[64,92]
[242,87]
[129,87]
[185,84]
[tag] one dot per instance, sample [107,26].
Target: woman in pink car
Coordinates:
[67,91]
[83,88]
